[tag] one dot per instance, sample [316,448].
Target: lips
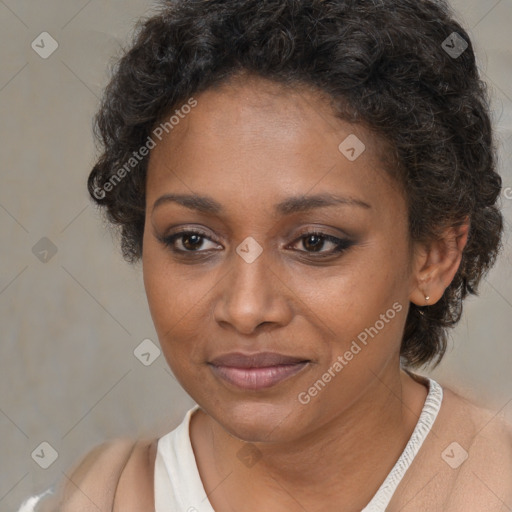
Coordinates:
[256,371]
[258,360]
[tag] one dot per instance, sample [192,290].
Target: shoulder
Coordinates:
[478,454]
[470,453]
[94,483]
[465,463]
[475,425]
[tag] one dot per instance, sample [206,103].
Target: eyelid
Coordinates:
[321,231]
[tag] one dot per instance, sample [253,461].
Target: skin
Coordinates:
[249,145]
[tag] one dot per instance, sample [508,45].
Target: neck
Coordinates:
[348,456]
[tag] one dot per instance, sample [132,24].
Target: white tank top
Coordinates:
[178,486]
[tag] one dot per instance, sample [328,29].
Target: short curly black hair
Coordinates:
[399,67]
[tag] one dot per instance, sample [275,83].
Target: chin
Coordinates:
[255,422]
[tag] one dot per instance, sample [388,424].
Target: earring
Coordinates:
[427,298]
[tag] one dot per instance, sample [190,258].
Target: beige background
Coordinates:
[68,375]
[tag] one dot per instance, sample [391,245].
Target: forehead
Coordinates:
[246,107]
[255,137]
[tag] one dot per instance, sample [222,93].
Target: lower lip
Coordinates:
[257,378]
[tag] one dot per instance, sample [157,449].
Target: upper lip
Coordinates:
[257,360]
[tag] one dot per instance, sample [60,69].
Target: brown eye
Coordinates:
[187,241]
[191,241]
[315,242]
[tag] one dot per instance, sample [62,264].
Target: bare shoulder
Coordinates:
[91,484]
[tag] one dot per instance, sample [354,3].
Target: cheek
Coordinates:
[164,293]
[177,297]
[362,312]
[365,307]
[351,296]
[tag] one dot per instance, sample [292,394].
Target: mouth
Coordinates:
[256,371]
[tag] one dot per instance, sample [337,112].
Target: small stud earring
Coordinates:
[427,298]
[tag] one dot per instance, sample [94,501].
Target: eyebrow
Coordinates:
[206,204]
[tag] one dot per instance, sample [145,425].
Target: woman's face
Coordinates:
[258,169]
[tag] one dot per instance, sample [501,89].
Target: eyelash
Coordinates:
[341,244]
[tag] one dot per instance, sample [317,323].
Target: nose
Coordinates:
[252,295]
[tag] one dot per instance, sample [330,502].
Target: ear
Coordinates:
[436,263]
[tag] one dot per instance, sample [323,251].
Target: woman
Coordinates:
[311,188]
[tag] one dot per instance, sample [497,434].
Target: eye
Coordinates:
[190,241]
[315,241]
[193,241]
